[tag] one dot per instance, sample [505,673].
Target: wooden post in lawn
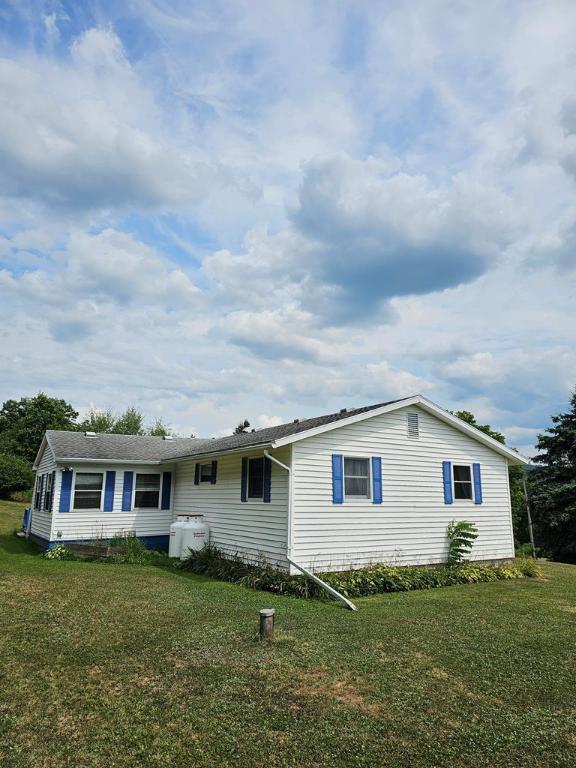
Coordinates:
[267,623]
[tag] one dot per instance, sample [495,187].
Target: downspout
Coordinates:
[301,568]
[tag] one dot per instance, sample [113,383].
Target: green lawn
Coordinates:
[116,665]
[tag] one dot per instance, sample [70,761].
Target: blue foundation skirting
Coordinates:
[158,543]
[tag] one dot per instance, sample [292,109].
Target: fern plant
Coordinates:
[461,537]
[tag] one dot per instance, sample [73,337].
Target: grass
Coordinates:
[125,665]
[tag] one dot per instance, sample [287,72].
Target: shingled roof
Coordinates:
[104,446]
[69,446]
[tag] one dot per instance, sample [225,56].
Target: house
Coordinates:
[373,484]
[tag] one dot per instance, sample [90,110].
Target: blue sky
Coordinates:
[216,210]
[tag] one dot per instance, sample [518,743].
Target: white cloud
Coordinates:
[89,135]
[389,163]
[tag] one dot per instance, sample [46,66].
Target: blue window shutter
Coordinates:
[376,480]
[477,484]
[337,478]
[66,490]
[109,491]
[213,471]
[53,490]
[244,482]
[127,491]
[197,474]
[267,479]
[166,489]
[447,478]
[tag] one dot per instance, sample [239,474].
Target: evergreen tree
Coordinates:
[242,427]
[553,487]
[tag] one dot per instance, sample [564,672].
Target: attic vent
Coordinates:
[343,410]
[413,427]
[296,421]
[89,434]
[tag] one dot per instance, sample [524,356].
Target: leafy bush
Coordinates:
[523,550]
[128,548]
[15,475]
[353,583]
[24,497]
[461,536]
[59,552]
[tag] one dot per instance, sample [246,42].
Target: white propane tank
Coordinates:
[195,535]
[175,541]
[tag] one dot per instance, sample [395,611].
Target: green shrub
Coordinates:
[59,552]
[128,548]
[23,497]
[353,583]
[15,475]
[461,536]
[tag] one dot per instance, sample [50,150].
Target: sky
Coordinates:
[272,209]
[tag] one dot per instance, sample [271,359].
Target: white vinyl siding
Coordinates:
[94,523]
[410,524]
[253,528]
[41,518]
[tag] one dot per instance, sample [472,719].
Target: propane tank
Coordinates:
[195,535]
[175,542]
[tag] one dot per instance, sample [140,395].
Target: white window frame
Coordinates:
[200,478]
[463,501]
[38,494]
[52,482]
[357,498]
[148,509]
[254,498]
[88,472]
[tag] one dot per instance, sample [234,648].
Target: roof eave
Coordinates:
[511,455]
[207,454]
[79,460]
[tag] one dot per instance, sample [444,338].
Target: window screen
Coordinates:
[255,478]
[88,490]
[462,482]
[206,473]
[147,494]
[356,477]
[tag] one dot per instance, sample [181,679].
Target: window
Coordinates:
[88,490]
[357,477]
[147,495]
[255,478]
[206,473]
[48,494]
[38,493]
[462,481]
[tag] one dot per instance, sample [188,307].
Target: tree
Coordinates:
[469,418]
[23,423]
[159,429]
[515,476]
[15,475]
[98,421]
[242,427]
[553,487]
[131,422]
